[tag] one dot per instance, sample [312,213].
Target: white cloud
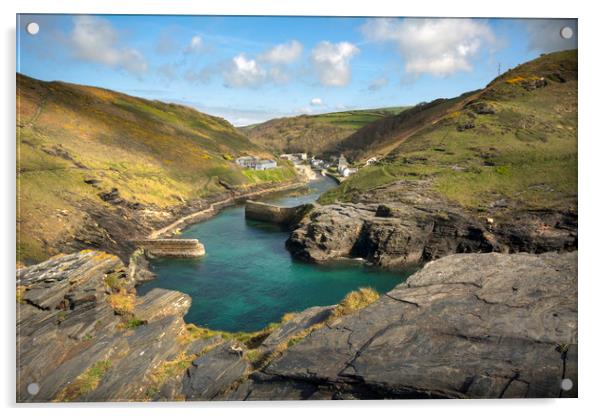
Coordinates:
[94,39]
[544,34]
[316,102]
[196,45]
[279,75]
[284,53]
[438,47]
[244,72]
[331,62]
[378,83]
[270,66]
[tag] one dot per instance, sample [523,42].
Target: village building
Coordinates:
[252,162]
[343,167]
[265,164]
[246,161]
[296,158]
[343,164]
[371,161]
[316,163]
[348,171]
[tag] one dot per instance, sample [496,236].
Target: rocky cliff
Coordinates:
[468,325]
[82,335]
[404,223]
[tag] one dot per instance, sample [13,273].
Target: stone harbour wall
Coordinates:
[261,211]
[164,247]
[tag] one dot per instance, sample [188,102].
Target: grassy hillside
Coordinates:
[382,135]
[76,142]
[514,143]
[316,134]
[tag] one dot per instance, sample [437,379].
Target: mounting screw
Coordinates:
[32,28]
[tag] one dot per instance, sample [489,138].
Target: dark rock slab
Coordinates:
[298,323]
[159,303]
[263,387]
[65,326]
[141,351]
[214,372]
[421,229]
[472,325]
[199,346]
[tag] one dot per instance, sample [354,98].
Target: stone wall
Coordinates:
[260,211]
[163,247]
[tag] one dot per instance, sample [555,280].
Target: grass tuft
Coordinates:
[122,302]
[358,299]
[85,383]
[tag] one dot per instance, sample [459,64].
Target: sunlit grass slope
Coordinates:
[316,134]
[515,140]
[155,153]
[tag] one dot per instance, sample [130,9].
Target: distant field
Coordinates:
[525,153]
[315,134]
[357,118]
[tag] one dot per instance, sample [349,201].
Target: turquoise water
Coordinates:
[248,279]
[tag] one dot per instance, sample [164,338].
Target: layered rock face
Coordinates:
[466,326]
[393,234]
[75,345]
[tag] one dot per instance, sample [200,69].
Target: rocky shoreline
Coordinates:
[392,232]
[485,325]
[113,230]
[215,207]
[466,325]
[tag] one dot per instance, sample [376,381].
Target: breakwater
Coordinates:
[213,208]
[248,278]
[179,248]
[260,211]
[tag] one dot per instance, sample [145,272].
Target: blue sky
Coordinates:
[251,69]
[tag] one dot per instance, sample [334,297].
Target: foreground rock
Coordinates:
[215,372]
[297,324]
[466,326]
[421,228]
[76,338]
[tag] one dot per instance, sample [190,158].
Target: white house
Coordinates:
[294,157]
[265,164]
[246,161]
[347,171]
[342,165]
[251,162]
[371,161]
[316,163]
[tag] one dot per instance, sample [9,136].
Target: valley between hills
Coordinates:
[477,192]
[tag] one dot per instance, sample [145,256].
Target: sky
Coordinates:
[252,69]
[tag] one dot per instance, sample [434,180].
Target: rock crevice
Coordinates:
[397,234]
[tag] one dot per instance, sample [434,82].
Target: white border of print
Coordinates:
[590,152]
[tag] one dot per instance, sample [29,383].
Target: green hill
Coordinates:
[316,134]
[76,144]
[514,141]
